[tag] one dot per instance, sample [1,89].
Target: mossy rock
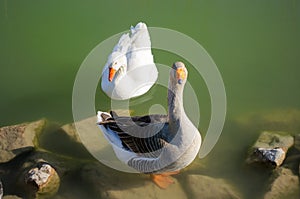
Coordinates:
[284,184]
[206,187]
[107,183]
[270,148]
[43,180]
[20,138]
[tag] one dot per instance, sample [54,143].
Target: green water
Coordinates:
[255,44]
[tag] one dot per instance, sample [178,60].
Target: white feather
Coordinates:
[135,65]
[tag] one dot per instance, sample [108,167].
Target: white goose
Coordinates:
[130,70]
[159,145]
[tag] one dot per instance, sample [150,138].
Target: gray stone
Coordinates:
[39,176]
[284,185]
[17,139]
[24,176]
[38,158]
[270,148]
[111,184]
[273,156]
[205,187]
[43,180]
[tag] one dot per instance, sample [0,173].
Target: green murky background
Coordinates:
[256,46]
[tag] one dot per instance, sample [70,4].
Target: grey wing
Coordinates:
[143,135]
[147,147]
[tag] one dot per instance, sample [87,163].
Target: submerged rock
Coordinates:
[149,190]
[19,177]
[86,125]
[17,139]
[11,197]
[205,187]
[110,184]
[70,130]
[274,120]
[43,180]
[297,142]
[270,148]
[63,140]
[284,185]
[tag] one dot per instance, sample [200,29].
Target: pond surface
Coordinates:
[255,45]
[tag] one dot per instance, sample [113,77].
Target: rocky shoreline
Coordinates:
[42,159]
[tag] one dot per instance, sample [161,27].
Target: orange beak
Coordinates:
[112,73]
[180,74]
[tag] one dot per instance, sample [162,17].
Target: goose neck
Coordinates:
[175,104]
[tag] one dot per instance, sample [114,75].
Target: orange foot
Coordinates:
[163,180]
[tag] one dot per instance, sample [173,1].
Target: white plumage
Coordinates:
[130,70]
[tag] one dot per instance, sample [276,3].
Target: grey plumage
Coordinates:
[145,143]
[158,143]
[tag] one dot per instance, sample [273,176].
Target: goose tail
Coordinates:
[102,116]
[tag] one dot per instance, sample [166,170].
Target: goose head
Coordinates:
[117,65]
[179,73]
